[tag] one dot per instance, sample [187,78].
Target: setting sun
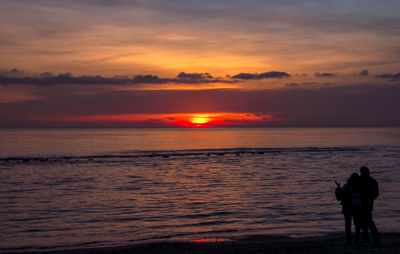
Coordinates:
[200,119]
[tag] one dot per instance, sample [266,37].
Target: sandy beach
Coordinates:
[332,243]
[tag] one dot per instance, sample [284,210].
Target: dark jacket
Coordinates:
[369,188]
[369,192]
[349,197]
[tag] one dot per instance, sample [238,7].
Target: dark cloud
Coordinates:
[362,105]
[245,76]
[309,84]
[49,79]
[292,85]
[144,79]
[324,74]
[364,73]
[15,70]
[392,77]
[12,73]
[271,74]
[194,76]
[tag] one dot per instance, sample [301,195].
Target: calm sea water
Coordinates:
[76,188]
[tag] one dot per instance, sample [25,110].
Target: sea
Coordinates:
[83,188]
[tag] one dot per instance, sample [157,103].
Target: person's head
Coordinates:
[364,171]
[353,178]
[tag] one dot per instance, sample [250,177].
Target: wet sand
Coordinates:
[332,243]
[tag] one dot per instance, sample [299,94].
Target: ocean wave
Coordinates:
[180,153]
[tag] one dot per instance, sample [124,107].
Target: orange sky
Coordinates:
[71,62]
[165,38]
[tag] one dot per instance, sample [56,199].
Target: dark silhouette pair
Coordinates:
[357,199]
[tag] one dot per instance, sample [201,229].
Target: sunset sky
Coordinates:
[164,63]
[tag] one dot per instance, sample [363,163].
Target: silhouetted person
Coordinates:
[369,192]
[349,195]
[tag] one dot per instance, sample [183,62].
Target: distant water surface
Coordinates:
[70,188]
[76,142]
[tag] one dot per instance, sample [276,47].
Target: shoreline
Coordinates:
[330,243]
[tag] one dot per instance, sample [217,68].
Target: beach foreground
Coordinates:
[332,243]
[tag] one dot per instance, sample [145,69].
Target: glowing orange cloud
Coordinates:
[195,120]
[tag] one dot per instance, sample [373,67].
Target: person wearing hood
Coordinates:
[349,195]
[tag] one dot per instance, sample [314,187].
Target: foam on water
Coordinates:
[179,153]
